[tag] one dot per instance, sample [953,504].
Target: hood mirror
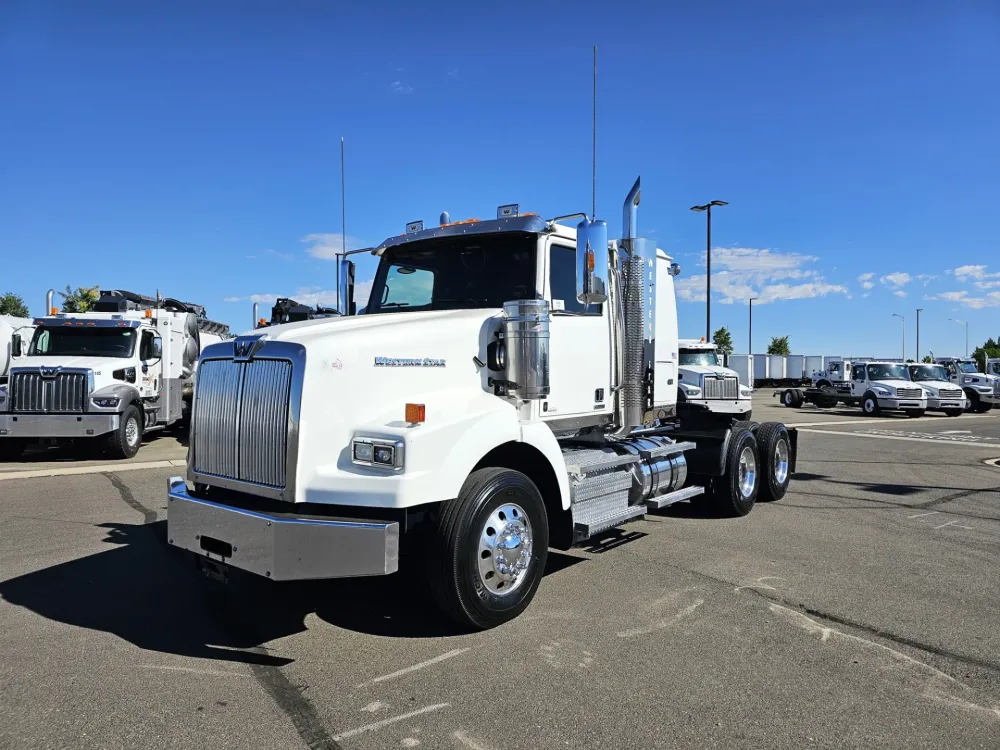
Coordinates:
[346,297]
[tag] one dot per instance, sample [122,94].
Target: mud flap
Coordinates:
[793,436]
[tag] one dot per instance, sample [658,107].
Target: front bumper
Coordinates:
[936,404]
[724,406]
[57,425]
[282,547]
[891,402]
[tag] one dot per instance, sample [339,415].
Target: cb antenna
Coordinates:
[343,219]
[593,187]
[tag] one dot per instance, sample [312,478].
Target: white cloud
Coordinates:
[962,297]
[398,87]
[326,246]
[866,276]
[964,273]
[311,296]
[766,275]
[896,280]
[899,293]
[987,284]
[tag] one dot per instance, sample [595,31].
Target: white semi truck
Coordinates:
[107,377]
[706,388]
[942,395]
[15,333]
[511,387]
[874,386]
[982,389]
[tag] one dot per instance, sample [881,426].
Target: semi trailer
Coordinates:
[513,387]
[874,386]
[105,378]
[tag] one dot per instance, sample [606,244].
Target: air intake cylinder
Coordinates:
[526,331]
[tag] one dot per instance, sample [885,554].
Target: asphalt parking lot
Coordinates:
[859,611]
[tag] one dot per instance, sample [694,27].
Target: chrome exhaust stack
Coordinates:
[256,309]
[48,301]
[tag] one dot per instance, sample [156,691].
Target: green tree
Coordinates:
[13,304]
[81,300]
[779,345]
[723,340]
[927,360]
[991,349]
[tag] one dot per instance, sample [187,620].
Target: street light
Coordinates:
[897,315]
[750,332]
[962,322]
[708,260]
[919,310]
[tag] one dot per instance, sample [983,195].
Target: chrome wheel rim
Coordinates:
[132,432]
[788,399]
[748,472]
[781,462]
[505,546]
[869,405]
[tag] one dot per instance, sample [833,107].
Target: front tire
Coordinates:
[915,413]
[775,449]
[735,492]
[869,405]
[11,448]
[490,548]
[954,412]
[125,441]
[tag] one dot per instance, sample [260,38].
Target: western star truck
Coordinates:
[982,389]
[511,387]
[104,378]
[705,387]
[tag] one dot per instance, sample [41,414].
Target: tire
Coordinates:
[915,413]
[982,407]
[775,449]
[792,399]
[125,441]
[869,405]
[829,399]
[744,424]
[11,448]
[735,492]
[954,412]
[469,587]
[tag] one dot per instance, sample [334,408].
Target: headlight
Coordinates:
[379,452]
[106,402]
[745,391]
[690,390]
[882,391]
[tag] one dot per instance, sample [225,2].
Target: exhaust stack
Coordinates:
[48,301]
[256,308]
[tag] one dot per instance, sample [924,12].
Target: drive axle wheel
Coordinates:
[775,450]
[490,548]
[735,492]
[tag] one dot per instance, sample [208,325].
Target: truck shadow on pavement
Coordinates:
[152,596]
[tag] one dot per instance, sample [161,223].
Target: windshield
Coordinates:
[698,357]
[925,373]
[453,273]
[995,367]
[886,372]
[95,342]
[968,367]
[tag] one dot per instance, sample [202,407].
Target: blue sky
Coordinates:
[194,147]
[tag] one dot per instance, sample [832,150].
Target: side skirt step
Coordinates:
[662,501]
[585,530]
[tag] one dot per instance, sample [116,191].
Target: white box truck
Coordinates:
[102,379]
[511,387]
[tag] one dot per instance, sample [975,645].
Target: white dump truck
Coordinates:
[15,334]
[982,389]
[942,395]
[874,386]
[706,388]
[511,387]
[105,378]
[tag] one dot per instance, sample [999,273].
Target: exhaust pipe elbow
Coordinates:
[630,212]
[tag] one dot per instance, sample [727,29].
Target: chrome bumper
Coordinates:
[902,403]
[947,403]
[57,425]
[724,406]
[279,547]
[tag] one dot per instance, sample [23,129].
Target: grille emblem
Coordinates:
[246,346]
[49,372]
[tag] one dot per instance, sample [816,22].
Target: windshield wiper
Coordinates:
[459,299]
[393,304]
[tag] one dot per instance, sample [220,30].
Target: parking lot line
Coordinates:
[966,443]
[386,722]
[897,420]
[62,471]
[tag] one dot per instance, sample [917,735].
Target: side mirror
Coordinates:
[347,306]
[157,347]
[591,262]
[15,345]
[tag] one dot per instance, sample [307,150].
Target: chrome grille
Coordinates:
[241,420]
[727,387]
[950,393]
[66,392]
[908,393]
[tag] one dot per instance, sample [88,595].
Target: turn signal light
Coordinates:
[415,413]
[53,311]
[149,313]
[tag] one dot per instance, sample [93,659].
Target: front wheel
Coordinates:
[490,548]
[982,407]
[954,412]
[735,492]
[869,405]
[915,413]
[125,441]
[11,448]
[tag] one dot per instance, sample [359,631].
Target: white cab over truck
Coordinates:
[874,386]
[15,335]
[511,387]
[106,377]
[942,395]
[705,387]
[982,390]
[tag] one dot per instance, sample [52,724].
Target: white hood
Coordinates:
[98,364]
[705,370]
[892,385]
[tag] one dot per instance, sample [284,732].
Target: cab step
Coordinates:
[595,524]
[685,493]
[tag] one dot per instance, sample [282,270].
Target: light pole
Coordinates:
[962,322]
[708,261]
[897,315]
[750,332]
[919,310]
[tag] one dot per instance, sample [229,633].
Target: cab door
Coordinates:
[579,343]
[859,381]
[151,364]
